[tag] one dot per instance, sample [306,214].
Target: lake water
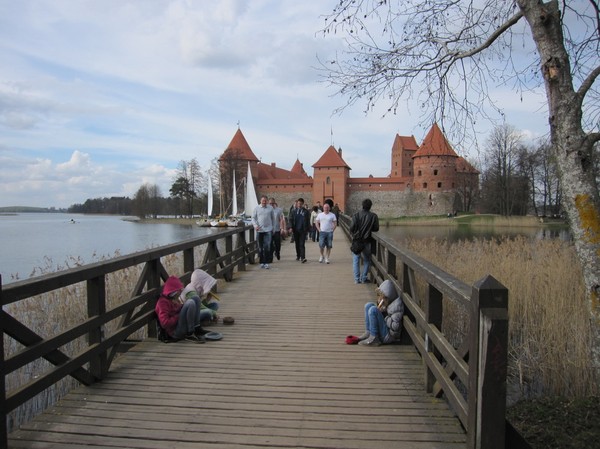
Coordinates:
[31,242]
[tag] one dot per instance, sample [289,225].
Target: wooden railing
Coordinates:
[470,375]
[135,312]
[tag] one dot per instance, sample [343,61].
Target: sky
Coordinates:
[98,97]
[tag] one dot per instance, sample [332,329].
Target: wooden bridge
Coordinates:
[283,376]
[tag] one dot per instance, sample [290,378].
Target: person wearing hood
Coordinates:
[180,319]
[201,285]
[383,321]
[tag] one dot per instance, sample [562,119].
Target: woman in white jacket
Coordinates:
[383,321]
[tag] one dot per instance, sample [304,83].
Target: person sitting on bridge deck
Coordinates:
[181,320]
[383,321]
[201,285]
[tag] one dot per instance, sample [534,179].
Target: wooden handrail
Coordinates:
[134,313]
[471,376]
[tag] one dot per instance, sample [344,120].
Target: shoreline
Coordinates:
[462,220]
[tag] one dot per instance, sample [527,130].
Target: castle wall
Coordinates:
[391,204]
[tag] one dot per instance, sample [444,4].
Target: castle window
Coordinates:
[419,173]
[409,173]
[439,185]
[435,172]
[452,185]
[424,185]
[328,181]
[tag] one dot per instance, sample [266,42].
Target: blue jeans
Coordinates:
[207,314]
[264,247]
[366,257]
[189,317]
[374,322]
[326,239]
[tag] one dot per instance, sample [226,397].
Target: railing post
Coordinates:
[228,275]
[488,356]
[188,260]
[3,411]
[96,300]
[241,250]
[390,263]
[433,314]
[153,281]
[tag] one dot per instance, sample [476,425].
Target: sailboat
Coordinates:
[250,201]
[209,197]
[234,219]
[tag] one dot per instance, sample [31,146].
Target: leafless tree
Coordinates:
[456,49]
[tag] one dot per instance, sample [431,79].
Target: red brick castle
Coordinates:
[430,179]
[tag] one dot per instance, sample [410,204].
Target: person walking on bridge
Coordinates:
[363,224]
[299,225]
[326,223]
[263,219]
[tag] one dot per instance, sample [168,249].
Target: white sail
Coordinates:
[250,201]
[210,197]
[234,210]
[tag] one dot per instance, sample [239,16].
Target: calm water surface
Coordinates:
[32,241]
[49,242]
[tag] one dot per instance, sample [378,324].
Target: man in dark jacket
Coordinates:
[363,224]
[299,226]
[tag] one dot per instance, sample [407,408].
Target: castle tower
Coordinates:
[403,150]
[330,177]
[235,158]
[435,163]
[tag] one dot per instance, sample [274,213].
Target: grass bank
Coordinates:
[474,220]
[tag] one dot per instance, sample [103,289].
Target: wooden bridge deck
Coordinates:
[282,377]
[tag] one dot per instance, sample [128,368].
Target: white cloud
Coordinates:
[99,97]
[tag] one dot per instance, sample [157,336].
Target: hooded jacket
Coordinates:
[168,309]
[201,282]
[395,310]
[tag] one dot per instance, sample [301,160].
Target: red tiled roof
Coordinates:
[272,172]
[238,148]
[331,158]
[405,143]
[435,144]
[298,169]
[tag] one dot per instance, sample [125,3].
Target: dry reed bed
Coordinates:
[549,337]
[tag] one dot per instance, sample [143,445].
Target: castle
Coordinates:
[430,179]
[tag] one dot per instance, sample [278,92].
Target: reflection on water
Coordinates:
[467,232]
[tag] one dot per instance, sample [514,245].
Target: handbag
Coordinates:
[357,246]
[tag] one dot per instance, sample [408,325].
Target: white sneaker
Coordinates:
[326,260]
[321,259]
[267,266]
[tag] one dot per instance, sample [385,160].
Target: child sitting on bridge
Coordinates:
[201,284]
[180,319]
[383,321]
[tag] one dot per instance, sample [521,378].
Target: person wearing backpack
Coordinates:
[180,320]
[363,224]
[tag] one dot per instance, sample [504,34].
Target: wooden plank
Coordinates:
[281,377]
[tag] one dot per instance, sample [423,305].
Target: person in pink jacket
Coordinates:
[180,319]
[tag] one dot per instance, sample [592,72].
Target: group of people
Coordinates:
[268,221]
[181,311]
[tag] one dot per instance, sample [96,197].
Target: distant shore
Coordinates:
[472,220]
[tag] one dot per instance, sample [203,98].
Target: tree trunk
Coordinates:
[573,151]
